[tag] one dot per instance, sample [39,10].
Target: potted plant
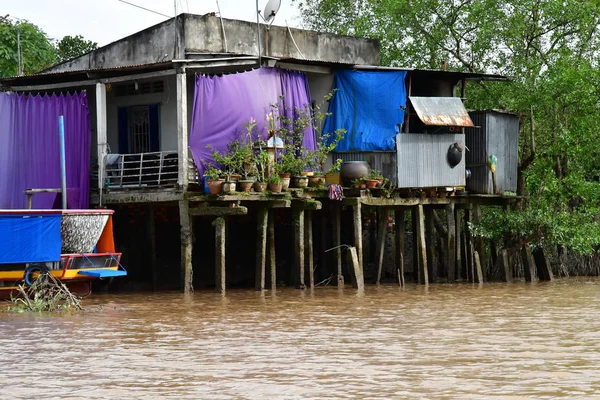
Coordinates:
[246,155]
[333,175]
[230,163]
[374,175]
[318,157]
[359,184]
[212,181]
[261,160]
[275,183]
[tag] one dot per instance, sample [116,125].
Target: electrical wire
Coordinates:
[144,8]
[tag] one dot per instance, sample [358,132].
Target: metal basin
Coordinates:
[81,229]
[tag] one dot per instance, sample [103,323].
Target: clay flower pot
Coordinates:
[316,181]
[307,173]
[333,178]
[260,186]
[245,186]
[285,183]
[275,187]
[215,186]
[372,183]
[284,175]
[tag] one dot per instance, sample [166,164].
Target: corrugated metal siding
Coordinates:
[384,161]
[499,135]
[422,161]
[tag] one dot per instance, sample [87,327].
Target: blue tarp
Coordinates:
[26,238]
[369,105]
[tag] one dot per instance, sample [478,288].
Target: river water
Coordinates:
[498,341]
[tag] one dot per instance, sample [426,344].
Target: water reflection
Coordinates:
[448,341]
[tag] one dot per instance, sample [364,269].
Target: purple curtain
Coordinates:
[296,95]
[30,153]
[222,104]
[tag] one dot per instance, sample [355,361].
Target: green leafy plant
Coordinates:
[336,167]
[374,174]
[275,179]
[212,173]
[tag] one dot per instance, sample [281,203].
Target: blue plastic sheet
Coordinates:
[370,106]
[26,238]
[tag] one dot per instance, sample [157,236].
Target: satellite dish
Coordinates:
[271,10]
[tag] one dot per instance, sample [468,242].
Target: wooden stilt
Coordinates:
[469,247]
[479,245]
[358,281]
[357,217]
[151,231]
[308,248]
[261,248]
[186,247]
[415,248]
[381,239]
[337,241]
[299,236]
[430,241]
[504,266]
[421,244]
[528,264]
[220,240]
[271,245]
[451,243]
[399,215]
[543,265]
[324,263]
[458,237]
[477,263]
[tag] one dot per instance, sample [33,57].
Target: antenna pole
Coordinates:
[258,34]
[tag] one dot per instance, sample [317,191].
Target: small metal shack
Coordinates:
[496,134]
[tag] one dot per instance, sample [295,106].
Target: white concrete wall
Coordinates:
[167,101]
[320,86]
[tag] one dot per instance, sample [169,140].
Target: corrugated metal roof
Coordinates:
[441,111]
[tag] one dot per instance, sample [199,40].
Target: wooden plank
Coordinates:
[298,216]
[382,214]
[421,245]
[357,223]
[185,223]
[479,271]
[399,225]
[220,262]
[451,243]
[528,264]
[261,248]
[271,243]
[415,249]
[358,281]
[430,241]
[218,211]
[309,248]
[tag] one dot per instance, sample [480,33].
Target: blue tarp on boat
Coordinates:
[26,238]
[370,106]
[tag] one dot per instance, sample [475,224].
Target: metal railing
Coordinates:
[157,169]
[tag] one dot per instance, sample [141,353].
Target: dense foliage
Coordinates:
[38,51]
[550,49]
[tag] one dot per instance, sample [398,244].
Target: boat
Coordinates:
[73,246]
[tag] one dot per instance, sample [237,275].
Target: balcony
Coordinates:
[145,170]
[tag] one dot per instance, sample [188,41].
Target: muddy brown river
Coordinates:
[499,341]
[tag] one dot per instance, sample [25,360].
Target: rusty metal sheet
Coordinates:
[441,111]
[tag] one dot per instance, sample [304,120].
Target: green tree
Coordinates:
[73,46]
[550,49]
[37,51]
